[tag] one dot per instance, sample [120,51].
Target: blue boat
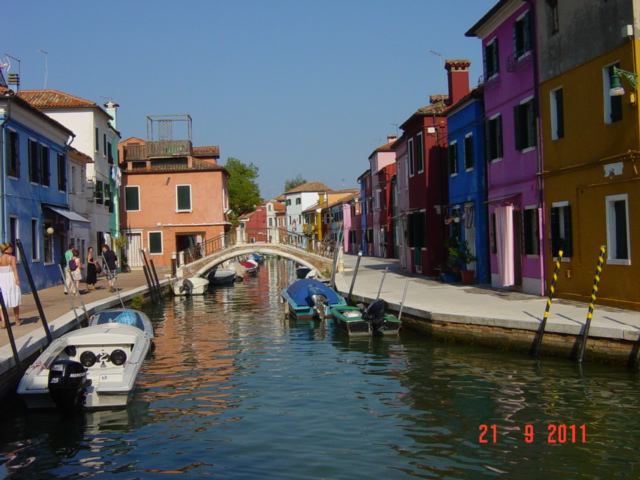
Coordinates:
[309,298]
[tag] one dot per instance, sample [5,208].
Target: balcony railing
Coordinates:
[163,148]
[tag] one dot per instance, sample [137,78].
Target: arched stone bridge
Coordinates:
[202,266]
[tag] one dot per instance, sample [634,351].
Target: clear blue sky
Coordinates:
[292,86]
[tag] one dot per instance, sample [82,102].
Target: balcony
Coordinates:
[158,149]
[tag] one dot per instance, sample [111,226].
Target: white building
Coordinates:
[299,199]
[96,137]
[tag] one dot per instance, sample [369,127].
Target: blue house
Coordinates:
[34,202]
[466,213]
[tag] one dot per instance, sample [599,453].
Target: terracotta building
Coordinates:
[175,197]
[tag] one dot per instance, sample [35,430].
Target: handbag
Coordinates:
[98,268]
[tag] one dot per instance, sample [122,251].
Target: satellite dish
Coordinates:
[5,63]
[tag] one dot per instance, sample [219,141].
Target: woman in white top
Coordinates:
[9,283]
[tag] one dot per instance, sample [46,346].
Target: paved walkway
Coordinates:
[481,306]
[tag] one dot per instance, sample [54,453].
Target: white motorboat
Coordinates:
[190,286]
[222,276]
[94,367]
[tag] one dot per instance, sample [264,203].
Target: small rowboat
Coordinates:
[366,322]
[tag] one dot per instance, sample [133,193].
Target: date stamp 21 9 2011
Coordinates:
[555,433]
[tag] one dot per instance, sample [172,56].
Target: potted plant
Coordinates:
[464,256]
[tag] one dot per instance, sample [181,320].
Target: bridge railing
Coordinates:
[267,235]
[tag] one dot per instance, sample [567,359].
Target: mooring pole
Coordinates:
[34,291]
[535,348]
[355,273]
[12,340]
[382,281]
[404,295]
[147,276]
[594,292]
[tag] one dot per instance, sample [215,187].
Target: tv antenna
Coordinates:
[440,64]
[46,66]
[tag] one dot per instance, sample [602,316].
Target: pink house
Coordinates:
[514,156]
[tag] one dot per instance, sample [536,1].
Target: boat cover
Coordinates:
[299,292]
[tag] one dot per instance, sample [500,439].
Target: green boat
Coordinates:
[365,322]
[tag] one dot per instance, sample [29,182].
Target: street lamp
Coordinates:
[616,85]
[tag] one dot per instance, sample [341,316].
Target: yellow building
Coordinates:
[591,142]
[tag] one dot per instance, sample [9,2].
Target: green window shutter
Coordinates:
[155,242]
[131,198]
[184,197]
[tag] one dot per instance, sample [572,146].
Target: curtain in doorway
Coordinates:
[504,244]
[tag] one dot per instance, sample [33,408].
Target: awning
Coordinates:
[74,217]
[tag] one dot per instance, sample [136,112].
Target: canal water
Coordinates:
[236,391]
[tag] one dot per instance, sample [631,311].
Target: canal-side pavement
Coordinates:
[434,307]
[494,317]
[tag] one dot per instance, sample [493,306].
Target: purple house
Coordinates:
[512,146]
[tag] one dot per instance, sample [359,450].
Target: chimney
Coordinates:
[111,110]
[391,138]
[458,74]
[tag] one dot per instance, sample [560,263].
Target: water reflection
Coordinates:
[236,390]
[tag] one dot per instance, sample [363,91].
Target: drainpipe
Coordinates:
[536,96]
[2,169]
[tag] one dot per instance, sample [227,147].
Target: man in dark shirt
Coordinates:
[110,266]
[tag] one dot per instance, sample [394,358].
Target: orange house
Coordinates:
[175,196]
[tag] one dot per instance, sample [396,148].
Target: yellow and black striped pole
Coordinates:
[594,292]
[535,348]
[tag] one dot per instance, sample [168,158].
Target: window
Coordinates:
[155,242]
[35,240]
[410,155]
[97,140]
[62,173]
[288,202]
[453,158]
[617,207]
[524,125]
[493,129]
[132,199]
[561,237]
[419,153]
[468,152]
[110,154]
[557,114]
[34,161]
[522,36]
[298,201]
[45,166]
[553,22]
[104,144]
[13,154]
[612,105]
[183,197]
[107,197]
[491,65]
[99,192]
[531,231]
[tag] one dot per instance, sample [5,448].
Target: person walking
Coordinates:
[10,283]
[111,266]
[92,270]
[76,267]
[67,273]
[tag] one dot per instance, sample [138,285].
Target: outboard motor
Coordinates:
[375,316]
[186,287]
[67,385]
[319,301]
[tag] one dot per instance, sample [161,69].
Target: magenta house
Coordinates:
[513,153]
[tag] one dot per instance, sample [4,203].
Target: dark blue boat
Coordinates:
[309,298]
